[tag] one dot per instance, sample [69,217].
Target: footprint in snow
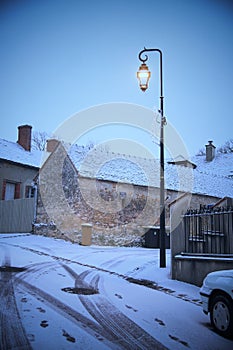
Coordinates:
[131,308]
[118,296]
[68,337]
[44,324]
[160,322]
[179,340]
[41,310]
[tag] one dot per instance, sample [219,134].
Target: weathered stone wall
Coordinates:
[198,199]
[118,212]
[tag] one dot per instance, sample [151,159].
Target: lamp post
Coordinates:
[143,75]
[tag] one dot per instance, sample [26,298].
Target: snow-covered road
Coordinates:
[55,294]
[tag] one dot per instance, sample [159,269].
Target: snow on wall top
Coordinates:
[210,178]
[12,151]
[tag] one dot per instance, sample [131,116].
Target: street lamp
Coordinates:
[143,76]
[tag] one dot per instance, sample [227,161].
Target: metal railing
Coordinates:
[209,230]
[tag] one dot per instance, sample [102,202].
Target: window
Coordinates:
[29,192]
[11,190]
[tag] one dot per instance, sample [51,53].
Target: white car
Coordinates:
[217,299]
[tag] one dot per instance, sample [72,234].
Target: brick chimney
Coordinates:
[51,145]
[210,151]
[24,136]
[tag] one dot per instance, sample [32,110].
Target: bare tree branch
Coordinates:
[39,139]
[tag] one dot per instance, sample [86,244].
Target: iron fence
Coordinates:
[209,230]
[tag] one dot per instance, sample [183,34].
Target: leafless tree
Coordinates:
[201,152]
[39,139]
[227,147]
[102,146]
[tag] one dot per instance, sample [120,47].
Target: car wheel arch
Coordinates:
[217,292]
[221,296]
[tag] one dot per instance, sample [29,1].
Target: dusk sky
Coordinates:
[59,57]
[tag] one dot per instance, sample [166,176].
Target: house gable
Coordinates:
[18,166]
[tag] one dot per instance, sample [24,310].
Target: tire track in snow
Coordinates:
[13,335]
[123,331]
[83,322]
[142,282]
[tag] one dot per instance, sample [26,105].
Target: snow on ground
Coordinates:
[169,311]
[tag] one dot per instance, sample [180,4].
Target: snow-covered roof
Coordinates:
[13,152]
[222,164]
[213,178]
[210,178]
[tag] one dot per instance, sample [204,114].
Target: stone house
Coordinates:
[117,194]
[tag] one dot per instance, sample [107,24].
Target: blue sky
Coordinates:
[59,57]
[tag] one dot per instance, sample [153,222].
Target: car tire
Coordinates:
[221,315]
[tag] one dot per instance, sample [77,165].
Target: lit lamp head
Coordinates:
[143,75]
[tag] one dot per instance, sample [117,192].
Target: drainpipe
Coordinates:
[35,202]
